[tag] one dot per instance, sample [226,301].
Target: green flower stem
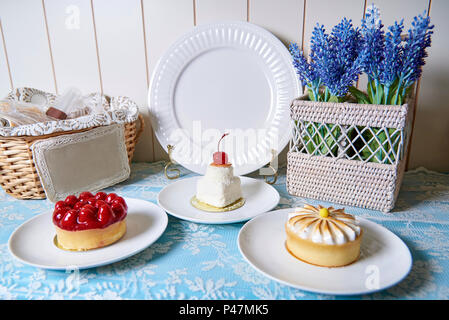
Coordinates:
[326,94]
[370,91]
[386,93]
[395,101]
[376,83]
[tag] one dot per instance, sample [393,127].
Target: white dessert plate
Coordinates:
[32,242]
[384,261]
[259,197]
[231,77]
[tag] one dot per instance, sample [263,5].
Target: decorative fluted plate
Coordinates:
[224,77]
[33,241]
[384,259]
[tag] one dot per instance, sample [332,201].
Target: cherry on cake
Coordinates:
[325,237]
[89,221]
[219,189]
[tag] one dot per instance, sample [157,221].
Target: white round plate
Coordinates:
[32,242]
[384,261]
[230,77]
[259,198]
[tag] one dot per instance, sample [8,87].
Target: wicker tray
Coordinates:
[18,175]
[335,170]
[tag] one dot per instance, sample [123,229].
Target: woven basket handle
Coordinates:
[141,128]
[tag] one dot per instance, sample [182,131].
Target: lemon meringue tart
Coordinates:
[325,237]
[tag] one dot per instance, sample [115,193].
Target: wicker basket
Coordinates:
[18,175]
[344,167]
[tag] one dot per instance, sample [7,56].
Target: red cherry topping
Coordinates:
[87,213]
[58,214]
[91,224]
[78,205]
[91,201]
[101,195]
[86,195]
[105,215]
[121,201]
[90,207]
[69,220]
[71,200]
[111,197]
[60,204]
[220,157]
[99,203]
[119,210]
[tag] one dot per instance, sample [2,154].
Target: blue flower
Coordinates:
[336,56]
[392,57]
[334,60]
[305,71]
[373,43]
[392,65]
[337,59]
[414,51]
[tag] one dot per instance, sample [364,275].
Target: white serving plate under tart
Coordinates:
[259,197]
[32,242]
[230,76]
[385,260]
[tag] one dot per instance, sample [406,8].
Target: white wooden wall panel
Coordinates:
[131,35]
[5,83]
[284,18]
[73,44]
[121,50]
[215,10]
[165,21]
[27,44]
[430,144]
[329,13]
[392,11]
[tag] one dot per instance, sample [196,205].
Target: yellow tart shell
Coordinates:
[89,239]
[320,254]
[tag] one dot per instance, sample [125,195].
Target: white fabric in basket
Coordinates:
[120,109]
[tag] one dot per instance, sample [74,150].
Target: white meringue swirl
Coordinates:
[337,228]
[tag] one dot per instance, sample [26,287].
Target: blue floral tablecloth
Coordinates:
[195,261]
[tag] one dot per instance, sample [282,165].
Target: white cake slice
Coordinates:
[219,187]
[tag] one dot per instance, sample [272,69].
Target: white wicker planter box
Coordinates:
[352,165]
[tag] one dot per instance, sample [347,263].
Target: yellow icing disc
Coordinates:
[207,207]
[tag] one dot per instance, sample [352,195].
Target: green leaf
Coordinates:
[333,99]
[392,92]
[310,93]
[393,96]
[321,97]
[371,93]
[361,96]
[379,94]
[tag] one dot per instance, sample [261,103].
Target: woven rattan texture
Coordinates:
[346,182]
[18,175]
[371,115]
[340,179]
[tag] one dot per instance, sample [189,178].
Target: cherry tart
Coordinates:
[89,221]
